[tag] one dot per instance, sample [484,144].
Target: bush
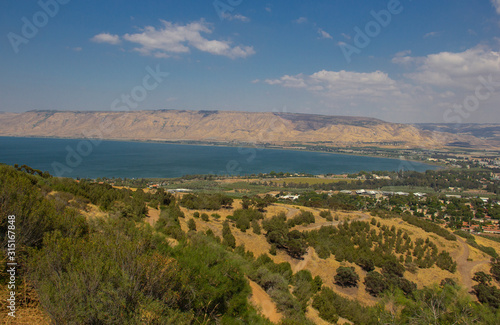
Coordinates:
[487,294]
[204,217]
[331,305]
[429,227]
[449,282]
[482,278]
[256,227]
[304,218]
[495,268]
[227,237]
[323,303]
[245,217]
[366,264]
[206,201]
[346,277]
[305,287]
[325,214]
[169,221]
[191,225]
[272,250]
[393,268]
[445,262]
[375,283]
[277,233]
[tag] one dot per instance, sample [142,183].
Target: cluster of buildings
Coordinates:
[376,193]
[469,161]
[485,225]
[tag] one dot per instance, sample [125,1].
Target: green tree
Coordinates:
[322,302]
[375,283]
[445,262]
[482,278]
[191,225]
[227,237]
[256,227]
[346,277]
[495,268]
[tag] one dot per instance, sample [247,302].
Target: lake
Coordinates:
[94,158]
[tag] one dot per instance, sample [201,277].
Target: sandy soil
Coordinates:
[263,302]
[153,216]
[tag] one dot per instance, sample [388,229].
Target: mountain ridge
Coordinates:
[230,127]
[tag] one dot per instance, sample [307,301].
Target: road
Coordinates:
[465,267]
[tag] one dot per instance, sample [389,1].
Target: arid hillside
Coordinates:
[229,127]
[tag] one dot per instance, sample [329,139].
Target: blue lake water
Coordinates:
[87,159]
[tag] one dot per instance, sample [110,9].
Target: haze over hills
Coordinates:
[233,127]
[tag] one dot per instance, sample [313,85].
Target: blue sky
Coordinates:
[400,61]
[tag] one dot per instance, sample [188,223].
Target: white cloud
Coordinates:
[228,16]
[353,93]
[432,34]
[456,70]
[106,38]
[403,57]
[436,84]
[268,9]
[324,34]
[346,36]
[289,81]
[496,4]
[341,84]
[176,39]
[403,60]
[300,20]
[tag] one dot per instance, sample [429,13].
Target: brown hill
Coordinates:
[228,127]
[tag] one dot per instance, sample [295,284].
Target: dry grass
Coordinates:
[146,189]
[325,268]
[28,309]
[93,212]
[153,216]
[487,242]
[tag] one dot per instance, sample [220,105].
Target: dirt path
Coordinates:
[264,303]
[153,216]
[465,267]
[302,264]
[292,212]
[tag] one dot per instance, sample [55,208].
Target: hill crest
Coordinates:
[228,127]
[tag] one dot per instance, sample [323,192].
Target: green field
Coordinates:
[313,180]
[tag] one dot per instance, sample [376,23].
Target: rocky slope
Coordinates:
[228,127]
